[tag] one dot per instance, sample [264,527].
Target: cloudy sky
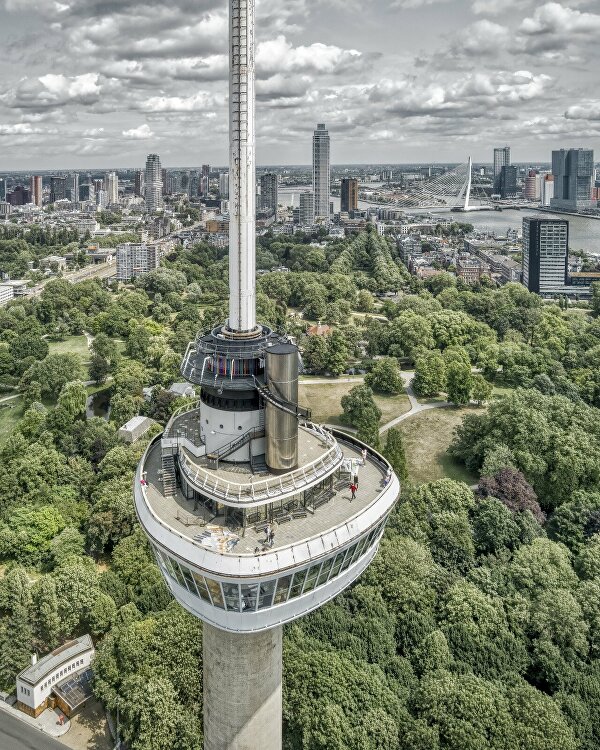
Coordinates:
[87,83]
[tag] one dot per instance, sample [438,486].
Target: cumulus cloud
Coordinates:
[53,90]
[278,55]
[140,133]
[587,111]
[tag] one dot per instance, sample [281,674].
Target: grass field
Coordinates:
[71,345]
[324,401]
[427,437]
[10,413]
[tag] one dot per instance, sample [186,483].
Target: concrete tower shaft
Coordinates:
[242,249]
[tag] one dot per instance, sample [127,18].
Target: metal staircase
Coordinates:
[239,442]
[169,479]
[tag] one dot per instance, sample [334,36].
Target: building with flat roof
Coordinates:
[136,259]
[6,294]
[321,171]
[573,172]
[60,678]
[348,194]
[545,255]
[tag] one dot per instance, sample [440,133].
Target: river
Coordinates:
[584,233]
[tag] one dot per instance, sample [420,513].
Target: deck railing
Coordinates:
[204,479]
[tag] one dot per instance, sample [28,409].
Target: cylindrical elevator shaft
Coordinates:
[242,250]
[281,426]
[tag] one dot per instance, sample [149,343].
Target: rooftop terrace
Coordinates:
[295,519]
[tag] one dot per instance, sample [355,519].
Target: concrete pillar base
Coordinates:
[242,690]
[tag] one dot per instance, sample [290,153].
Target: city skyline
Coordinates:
[155,81]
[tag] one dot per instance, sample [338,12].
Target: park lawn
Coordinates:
[72,345]
[391,406]
[10,413]
[324,400]
[427,437]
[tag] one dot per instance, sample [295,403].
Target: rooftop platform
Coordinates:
[225,535]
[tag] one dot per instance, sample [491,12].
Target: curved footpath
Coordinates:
[415,406]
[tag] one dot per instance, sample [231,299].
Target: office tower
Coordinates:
[349,194]
[306,215]
[224,184]
[19,196]
[194,185]
[573,172]
[507,182]
[153,192]
[501,159]
[268,192]
[139,184]
[547,189]
[101,199]
[98,185]
[249,461]
[2,189]
[164,177]
[111,188]
[134,260]
[36,190]
[58,189]
[74,196]
[545,254]
[87,192]
[205,180]
[321,171]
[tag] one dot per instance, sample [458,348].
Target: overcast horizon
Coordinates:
[91,84]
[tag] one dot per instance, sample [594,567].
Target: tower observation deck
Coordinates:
[246,460]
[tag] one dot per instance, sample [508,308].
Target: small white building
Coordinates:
[183,389]
[136,428]
[6,294]
[60,679]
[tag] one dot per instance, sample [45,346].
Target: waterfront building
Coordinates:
[545,254]
[573,172]
[348,194]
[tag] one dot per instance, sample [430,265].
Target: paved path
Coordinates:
[9,398]
[16,734]
[415,406]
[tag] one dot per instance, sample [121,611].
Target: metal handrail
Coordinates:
[264,489]
[183,409]
[238,442]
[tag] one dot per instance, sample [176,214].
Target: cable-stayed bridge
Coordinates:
[456,189]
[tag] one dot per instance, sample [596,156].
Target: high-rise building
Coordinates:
[349,194]
[58,189]
[36,190]
[224,185]
[2,189]
[306,215]
[153,191]
[507,182]
[268,192]
[19,196]
[101,199]
[545,254]
[573,171]
[111,187]
[547,189]
[87,192]
[194,185]
[501,159]
[205,180]
[74,197]
[138,188]
[321,171]
[134,260]
[282,536]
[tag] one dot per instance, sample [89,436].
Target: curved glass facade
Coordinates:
[253,597]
